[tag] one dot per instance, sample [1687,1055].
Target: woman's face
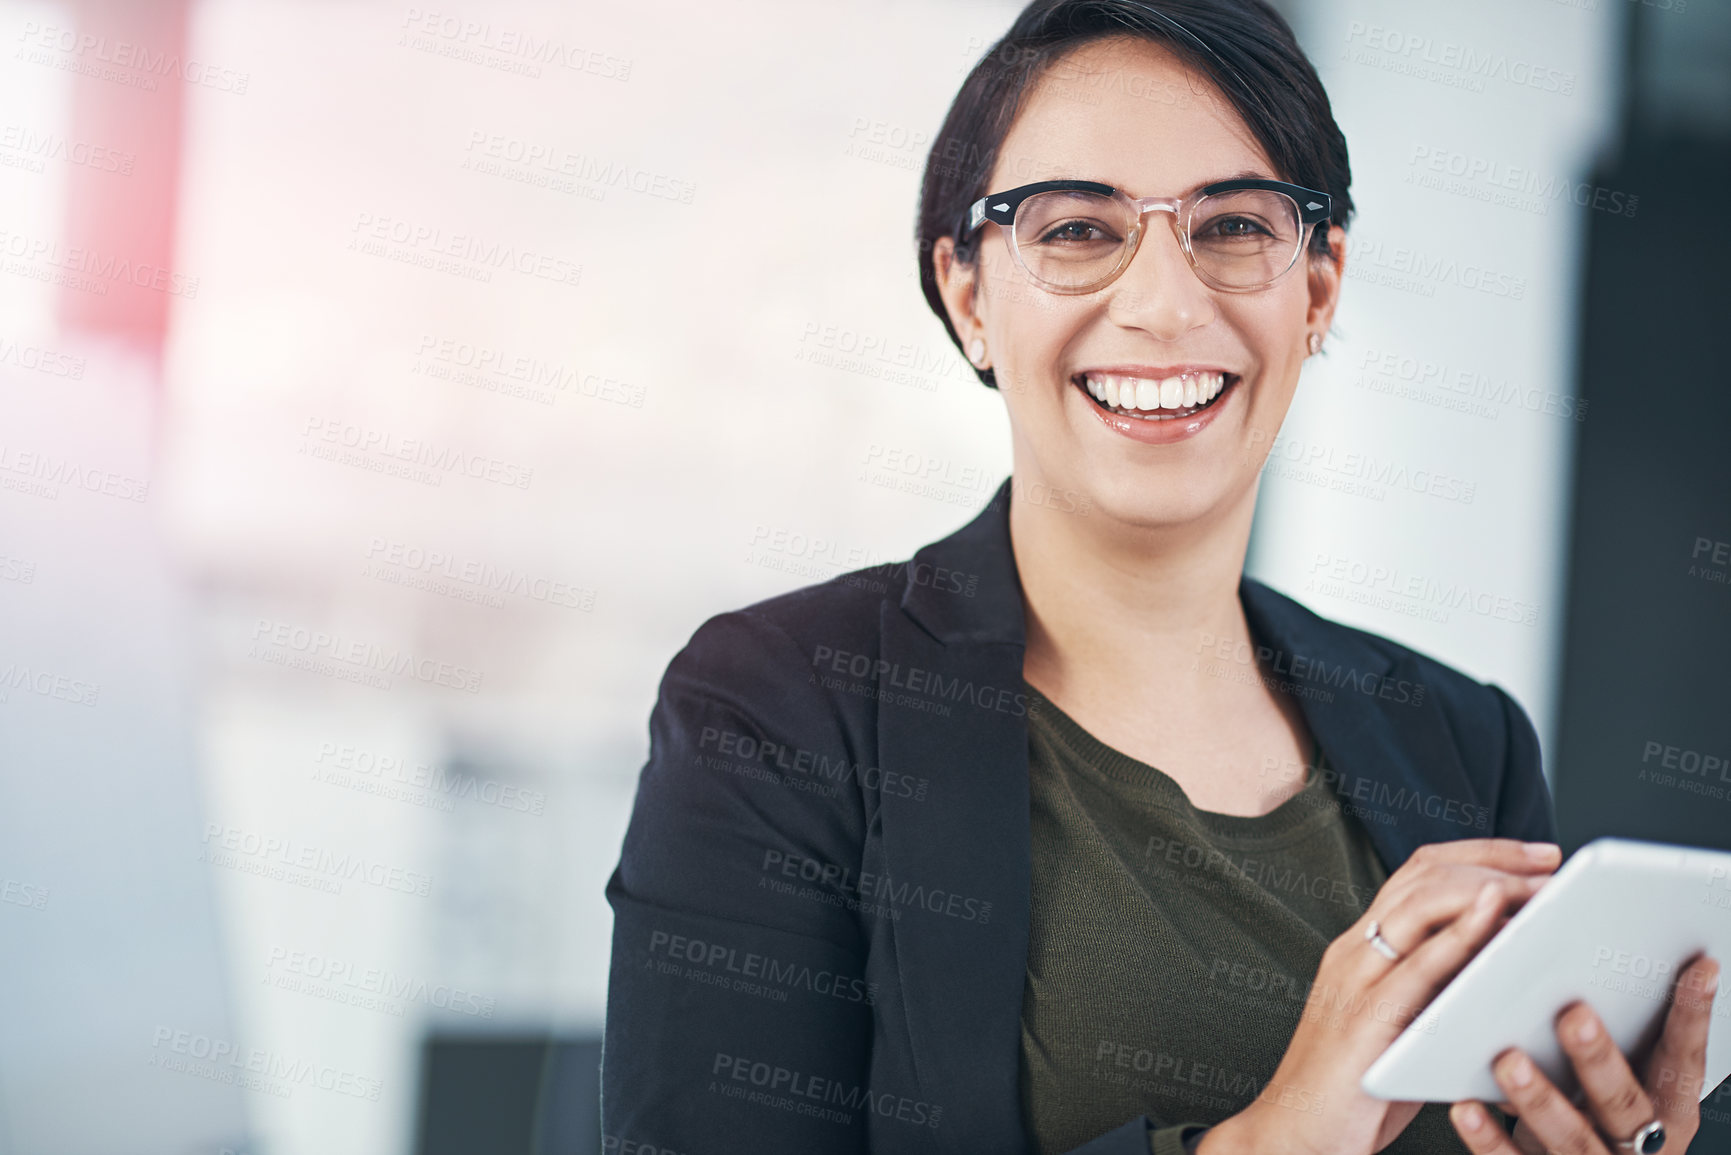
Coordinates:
[1125,112]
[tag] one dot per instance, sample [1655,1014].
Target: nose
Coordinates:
[1159,291]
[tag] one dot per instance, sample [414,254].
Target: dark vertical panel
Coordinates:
[1644,727]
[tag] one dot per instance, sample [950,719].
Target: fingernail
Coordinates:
[1520,1071]
[1540,851]
[1471,1117]
[1588,1030]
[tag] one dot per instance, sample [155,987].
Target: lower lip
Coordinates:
[1158,432]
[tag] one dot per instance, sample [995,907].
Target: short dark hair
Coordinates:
[1244,46]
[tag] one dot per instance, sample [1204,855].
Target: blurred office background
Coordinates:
[388,391]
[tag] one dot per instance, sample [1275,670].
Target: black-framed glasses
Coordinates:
[1076,236]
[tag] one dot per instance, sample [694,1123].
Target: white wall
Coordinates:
[1420,485]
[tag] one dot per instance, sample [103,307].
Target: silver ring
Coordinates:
[1373,933]
[1647,1141]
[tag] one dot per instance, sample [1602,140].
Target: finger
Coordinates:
[1527,1141]
[1678,1066]
[1412,918]
[1508,854]
[1522,1137]
[1551,1118]
[1418,976]
[1614,1095]
[1479,1131]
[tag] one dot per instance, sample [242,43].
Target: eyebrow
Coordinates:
[1242,174]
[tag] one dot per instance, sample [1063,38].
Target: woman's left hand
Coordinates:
[1618,1103]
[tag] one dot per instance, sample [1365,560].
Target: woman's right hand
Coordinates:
[1437,910]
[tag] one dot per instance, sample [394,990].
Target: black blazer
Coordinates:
[821,908]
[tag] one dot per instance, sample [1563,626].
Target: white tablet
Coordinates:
[1613,926]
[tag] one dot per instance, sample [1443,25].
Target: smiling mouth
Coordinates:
[1148,399]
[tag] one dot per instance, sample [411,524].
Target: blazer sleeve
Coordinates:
[738,1015]
[1524,806]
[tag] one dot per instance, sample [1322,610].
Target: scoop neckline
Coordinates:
[1295,813]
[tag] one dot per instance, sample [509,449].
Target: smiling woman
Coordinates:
[1100,846]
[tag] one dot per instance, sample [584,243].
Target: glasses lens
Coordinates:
[1247,238]
[1071,240]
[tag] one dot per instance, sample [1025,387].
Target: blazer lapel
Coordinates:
[955,647]
[1388,747]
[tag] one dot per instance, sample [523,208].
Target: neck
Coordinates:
[1112,603]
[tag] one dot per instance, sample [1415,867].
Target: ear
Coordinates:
[1326,275]
[957,284]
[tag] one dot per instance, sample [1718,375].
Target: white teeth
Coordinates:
[1178,392]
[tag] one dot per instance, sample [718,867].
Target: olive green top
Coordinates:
[1171,949]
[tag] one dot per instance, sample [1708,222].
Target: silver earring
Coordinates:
[977,352]
[1315,344]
